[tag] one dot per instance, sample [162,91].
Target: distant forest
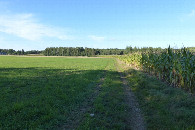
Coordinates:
[80,51]
[19,52]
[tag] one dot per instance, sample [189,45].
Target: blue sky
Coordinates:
[38,24]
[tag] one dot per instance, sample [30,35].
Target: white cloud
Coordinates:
[96,38]
[192,14]
[25,26]
[186,17]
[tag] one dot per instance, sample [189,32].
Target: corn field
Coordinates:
[177,67]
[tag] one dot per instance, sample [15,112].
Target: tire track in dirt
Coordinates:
[78,115]
[136,120]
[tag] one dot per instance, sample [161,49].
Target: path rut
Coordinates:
[77,116]
[136,120]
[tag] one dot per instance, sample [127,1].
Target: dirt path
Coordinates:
[136,120]
[78,115]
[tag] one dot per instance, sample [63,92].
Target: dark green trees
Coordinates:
[80,51]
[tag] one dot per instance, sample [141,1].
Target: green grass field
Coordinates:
[45,92]
[63,92]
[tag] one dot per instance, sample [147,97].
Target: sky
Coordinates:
[37,24]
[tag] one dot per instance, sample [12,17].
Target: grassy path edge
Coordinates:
[77,116]
[136,121]
[163,106]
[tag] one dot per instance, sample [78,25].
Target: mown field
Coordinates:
[85,93]
[49,92]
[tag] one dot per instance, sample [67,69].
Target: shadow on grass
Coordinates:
[164,107]
[43,97]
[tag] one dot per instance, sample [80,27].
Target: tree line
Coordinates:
[19,52]
[130,49]
[80,51]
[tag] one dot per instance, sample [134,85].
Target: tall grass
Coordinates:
[176,67]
